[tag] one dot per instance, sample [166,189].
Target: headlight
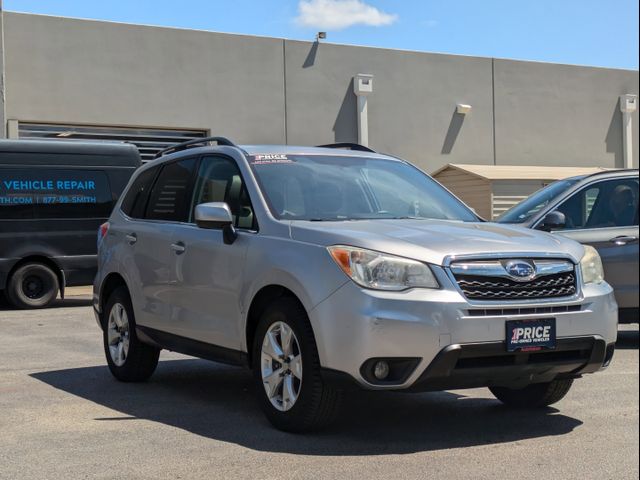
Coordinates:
[380,271]
[591,266]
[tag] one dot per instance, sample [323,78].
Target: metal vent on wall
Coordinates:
[148,140]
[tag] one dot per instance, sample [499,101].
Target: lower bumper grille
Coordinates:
[496,312]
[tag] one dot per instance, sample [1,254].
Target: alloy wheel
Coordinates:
[118,334]
[281,366]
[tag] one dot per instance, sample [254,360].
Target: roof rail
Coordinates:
[348,146]
[195,141]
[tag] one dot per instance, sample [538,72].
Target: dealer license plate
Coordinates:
[531,335]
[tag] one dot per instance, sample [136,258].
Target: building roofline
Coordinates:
[266,37]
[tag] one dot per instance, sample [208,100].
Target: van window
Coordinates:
[39,193]
[135,200]
[169,199]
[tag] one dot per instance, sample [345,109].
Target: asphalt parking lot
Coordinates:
[64,416]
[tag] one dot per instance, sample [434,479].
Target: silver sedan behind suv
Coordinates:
[600,210]
[324,269]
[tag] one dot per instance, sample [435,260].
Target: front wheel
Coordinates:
[535,395]
[128,358]
[287,371]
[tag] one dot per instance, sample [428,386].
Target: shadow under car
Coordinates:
[217,402]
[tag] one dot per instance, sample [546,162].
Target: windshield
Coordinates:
[527,208]
[316,187]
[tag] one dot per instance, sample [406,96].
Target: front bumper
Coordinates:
[489,364]
[457,344]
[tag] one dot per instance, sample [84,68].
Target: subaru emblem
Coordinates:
[520,270]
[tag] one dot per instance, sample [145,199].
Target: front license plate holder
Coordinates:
[531,335]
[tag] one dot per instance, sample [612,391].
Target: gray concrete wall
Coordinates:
[74,71]
[560,114]
[264,90]
[411,110]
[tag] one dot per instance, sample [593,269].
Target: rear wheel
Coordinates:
[287,371]
[128,358]
[32,285]
[535,395]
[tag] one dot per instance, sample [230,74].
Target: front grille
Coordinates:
[476,287]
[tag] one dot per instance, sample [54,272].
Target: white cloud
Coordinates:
[339,14]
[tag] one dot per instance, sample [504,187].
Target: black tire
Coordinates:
[32,285]
[141,359]
[536,395]
[318,403]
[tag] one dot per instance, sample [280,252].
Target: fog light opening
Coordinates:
[381,370]
[388,371]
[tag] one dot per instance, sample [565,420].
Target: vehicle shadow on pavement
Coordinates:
[218,402]
[58,303]
[628,339]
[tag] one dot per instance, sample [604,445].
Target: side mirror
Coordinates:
[553,221]
[216,215]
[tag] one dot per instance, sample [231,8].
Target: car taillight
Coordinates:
[102,231]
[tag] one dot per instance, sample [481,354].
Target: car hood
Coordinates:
[434,240]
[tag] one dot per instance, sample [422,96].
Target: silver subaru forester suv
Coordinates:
[324,269]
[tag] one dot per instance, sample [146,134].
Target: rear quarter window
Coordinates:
[170,196]
[135,200]
[41,193]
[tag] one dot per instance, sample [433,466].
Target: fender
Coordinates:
[304,268]
[274,277]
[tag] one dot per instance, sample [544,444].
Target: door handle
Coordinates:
[178,248]
[131,238]
[623,240]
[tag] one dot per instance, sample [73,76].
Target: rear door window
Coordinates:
[41,193]
[170,196]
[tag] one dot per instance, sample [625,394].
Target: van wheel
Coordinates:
[535,395]
[128,358]
[286,370]
[33,285]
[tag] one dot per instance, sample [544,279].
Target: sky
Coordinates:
[601,33]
